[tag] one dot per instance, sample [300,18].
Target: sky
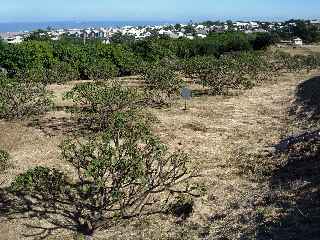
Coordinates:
[156,10]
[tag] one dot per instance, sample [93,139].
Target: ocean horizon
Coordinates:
[31,26]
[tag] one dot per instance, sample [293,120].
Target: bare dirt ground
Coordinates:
[303,50]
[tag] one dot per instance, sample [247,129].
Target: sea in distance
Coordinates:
[30,26]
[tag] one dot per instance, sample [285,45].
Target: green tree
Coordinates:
[262,40]
[308,32]
[123,173]
[102,70]
[161,83]
[299,28]
[61,72]
[22,99]
[96,104]
[230,25]
[177,27]
[119,37]
[27,55]
[189,29]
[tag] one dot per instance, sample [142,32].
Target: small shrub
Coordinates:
[40,179]
[123,173]
[4,160]
[97,104]
[19,100]
[102,70]
[32,74]
[162,83]
[237,71]
[62,72]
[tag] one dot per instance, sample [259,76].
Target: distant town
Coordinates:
[189,31]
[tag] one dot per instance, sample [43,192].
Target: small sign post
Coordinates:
[186,93]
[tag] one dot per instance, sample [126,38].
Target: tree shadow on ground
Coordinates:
[54,126]
[73,211]
[295,186]
[56,212]
[63,123]
[200,92]
[307,103]
[296,191]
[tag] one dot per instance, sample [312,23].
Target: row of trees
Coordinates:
[162,80]
[49,61]
[46,61]
[244,70]
[216,44]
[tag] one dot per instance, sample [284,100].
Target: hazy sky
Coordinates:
[50,10]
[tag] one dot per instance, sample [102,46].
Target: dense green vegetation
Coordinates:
[308,32]
[161,83]
[220,63]
[19,100]
[48,61]
[45,59]
[98,104]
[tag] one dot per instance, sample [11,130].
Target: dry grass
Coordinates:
[228,138]
[304,50]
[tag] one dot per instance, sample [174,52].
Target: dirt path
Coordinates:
[223,136]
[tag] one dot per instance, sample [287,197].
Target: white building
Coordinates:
[106,41]
[241,25]
[199,27]
[254,24]
[297,42]
[14,40]
[181,34]
[315,21]
[201,35]
[260,30]
[56,38]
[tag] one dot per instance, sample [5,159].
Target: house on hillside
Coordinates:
[14,40]
[74,32]
[85,33]
[199,27]
[260,30]
[94,34]
[103,33]
[297,42]
[3,70]
[181,34]
[254,24]
[315,22]
[106,41]
[199,35]
[55,38]
[241,25]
